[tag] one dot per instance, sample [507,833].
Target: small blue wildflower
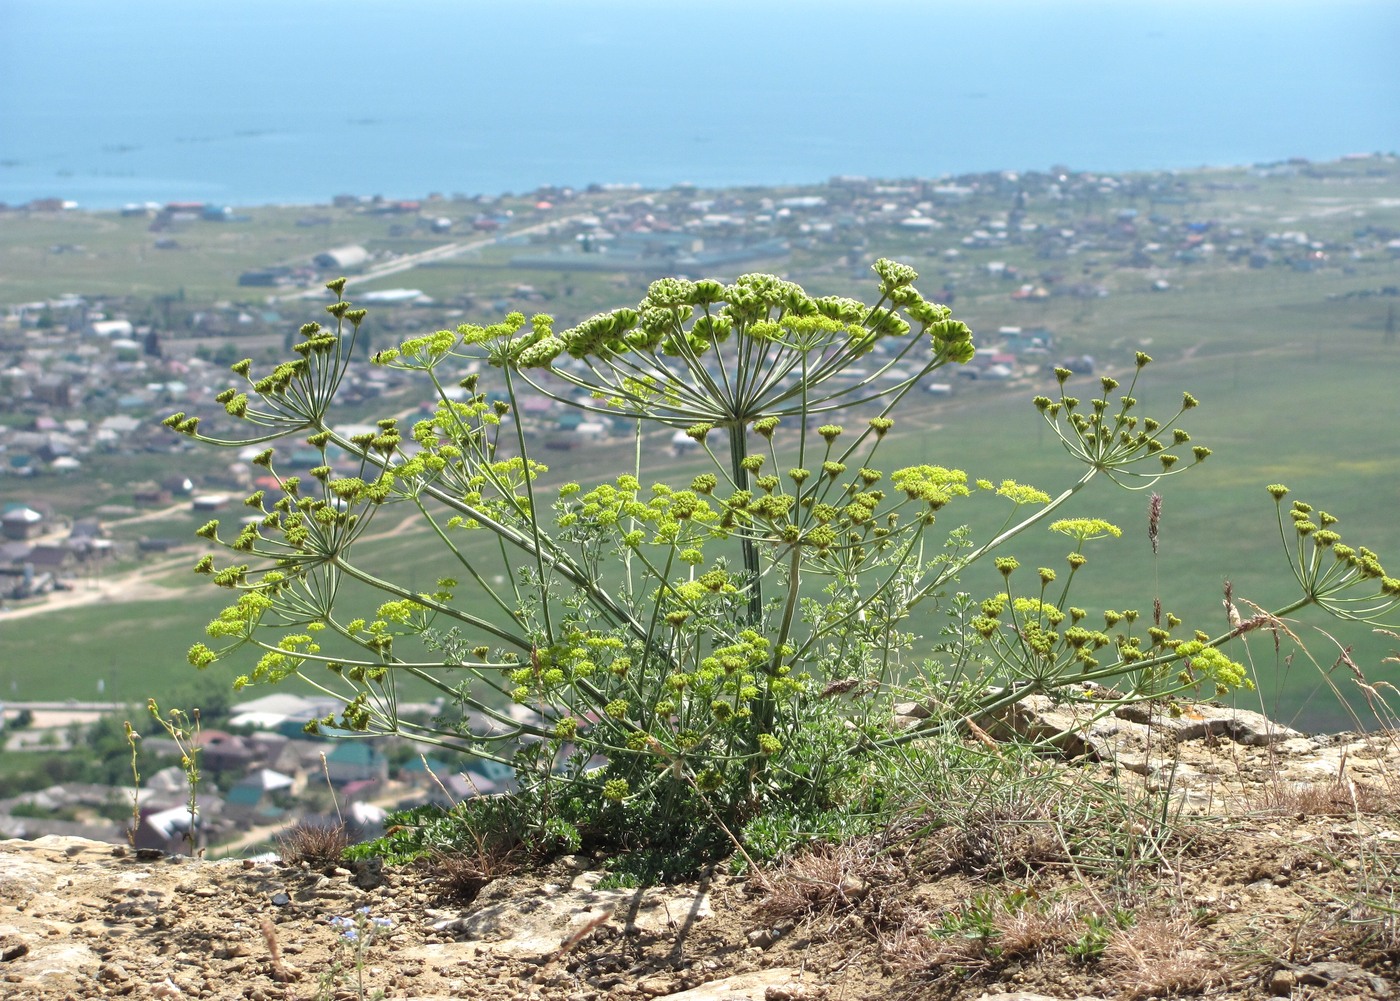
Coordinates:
[352,929]
[346,927]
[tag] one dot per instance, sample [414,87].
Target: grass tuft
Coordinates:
[823,881]
[461,874]
[1160,956]
[320,846]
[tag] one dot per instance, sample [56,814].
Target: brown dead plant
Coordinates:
[984,935]
[823,881]
[319,845]
[461,872]
[1159,956]
[1339,797]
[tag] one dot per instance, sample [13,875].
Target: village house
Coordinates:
[262,796]
[90,539]
[225,752]
[20,522]
[56,560]
[1018,340]
[173,830]
[150,494]
[355,762]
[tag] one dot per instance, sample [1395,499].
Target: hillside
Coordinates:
[1264,294]
[1248,863]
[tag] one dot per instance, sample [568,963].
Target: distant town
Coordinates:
[95,493]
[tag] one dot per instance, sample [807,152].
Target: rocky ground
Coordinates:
[1214,854]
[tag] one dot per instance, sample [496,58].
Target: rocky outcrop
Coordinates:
[82,919]
[1208,755]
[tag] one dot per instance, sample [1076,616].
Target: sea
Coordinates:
[252,102]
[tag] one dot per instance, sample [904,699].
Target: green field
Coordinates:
[44,255]
[134,650]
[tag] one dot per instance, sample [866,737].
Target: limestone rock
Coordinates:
[744,987]
[1199,721]
[540,924]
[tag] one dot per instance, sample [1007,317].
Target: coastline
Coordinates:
[155,198]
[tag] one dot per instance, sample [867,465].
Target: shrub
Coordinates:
[664,662]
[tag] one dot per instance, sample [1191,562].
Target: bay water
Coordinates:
[251,102]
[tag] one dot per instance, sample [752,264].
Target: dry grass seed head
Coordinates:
[1386,711]
[1157,956]
[269,934]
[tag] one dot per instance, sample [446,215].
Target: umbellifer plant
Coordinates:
[680,645]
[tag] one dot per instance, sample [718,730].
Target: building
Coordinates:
[21,523]
[343,258]
[111,328]
[355,761]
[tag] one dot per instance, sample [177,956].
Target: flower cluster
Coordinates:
[1109,437]
[362,928]
[1348,581]
[356,933]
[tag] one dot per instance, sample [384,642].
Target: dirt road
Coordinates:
[444,252]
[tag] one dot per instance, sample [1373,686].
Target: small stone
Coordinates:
[788,992]
[368,874]
[656,986]
[762,938]
[12,947]
[1282,982]
[112,971]
[1326,973]
[281,899]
